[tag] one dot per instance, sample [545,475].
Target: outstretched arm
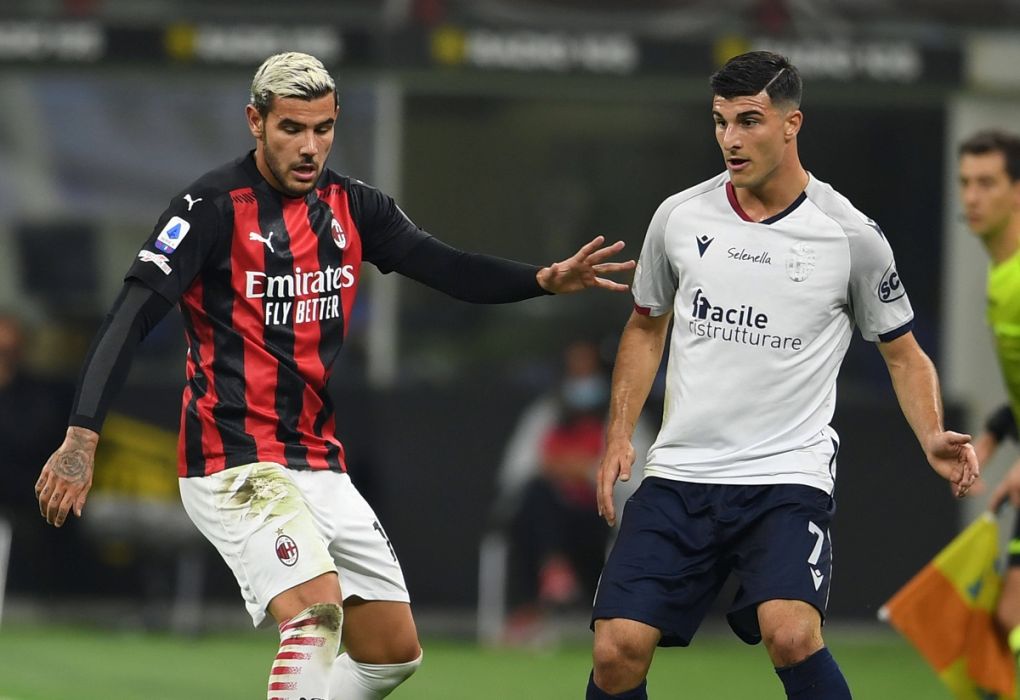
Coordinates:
[486,279]
[637,361]
[916,384]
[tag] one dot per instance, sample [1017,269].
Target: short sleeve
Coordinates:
[655,280]
[387,234]
[178,246]
[878,298]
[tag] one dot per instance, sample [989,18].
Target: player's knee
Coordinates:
[322,590]
[618,661]
[323,619]
[792,642]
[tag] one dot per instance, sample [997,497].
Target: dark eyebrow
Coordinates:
[285,121]
[741,115]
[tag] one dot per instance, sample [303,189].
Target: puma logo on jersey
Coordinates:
[252,236]
[191,202]
[339,237]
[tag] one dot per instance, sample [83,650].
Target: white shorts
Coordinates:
[278,527]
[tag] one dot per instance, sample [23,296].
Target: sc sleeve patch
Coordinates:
[890,288]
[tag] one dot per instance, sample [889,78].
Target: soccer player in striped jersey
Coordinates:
[989,178]
[263,256]
[763,271]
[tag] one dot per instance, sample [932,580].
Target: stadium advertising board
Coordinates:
[478,49]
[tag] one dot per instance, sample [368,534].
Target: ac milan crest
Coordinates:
[286,550]
[339,237]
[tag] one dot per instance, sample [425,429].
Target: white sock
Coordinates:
[356,681]
[309,642]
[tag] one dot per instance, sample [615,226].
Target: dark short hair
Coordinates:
[750,73]
[995,141]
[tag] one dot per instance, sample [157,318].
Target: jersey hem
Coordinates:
[245,460]
[825,485]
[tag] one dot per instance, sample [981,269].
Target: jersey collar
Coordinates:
[731,195]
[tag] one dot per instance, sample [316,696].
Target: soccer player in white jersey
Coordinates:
[763,270]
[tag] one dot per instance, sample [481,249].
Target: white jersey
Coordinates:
[762,317]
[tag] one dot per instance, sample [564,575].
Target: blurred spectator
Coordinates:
[33,416]
[557,541]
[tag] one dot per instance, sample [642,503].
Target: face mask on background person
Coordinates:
[585,393]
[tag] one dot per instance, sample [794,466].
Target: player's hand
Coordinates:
[952,456]
[984,449]
[1009,488]
[584,269]
[616,465]
[66,477]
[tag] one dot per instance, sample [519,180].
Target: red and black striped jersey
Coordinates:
[266,285]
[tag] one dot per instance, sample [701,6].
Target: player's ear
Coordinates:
[792,123]
[256,124]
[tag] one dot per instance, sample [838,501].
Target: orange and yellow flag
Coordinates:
[946,611]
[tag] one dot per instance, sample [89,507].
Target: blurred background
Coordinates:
[520,128]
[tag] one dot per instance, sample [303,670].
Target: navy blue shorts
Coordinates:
[679,541]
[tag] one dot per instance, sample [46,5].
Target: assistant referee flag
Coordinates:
[946,611]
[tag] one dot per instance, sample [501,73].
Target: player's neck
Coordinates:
[1003,245]
[775,195]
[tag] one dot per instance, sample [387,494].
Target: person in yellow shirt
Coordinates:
[989,183]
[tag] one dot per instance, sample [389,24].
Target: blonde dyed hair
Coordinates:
[290,74]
